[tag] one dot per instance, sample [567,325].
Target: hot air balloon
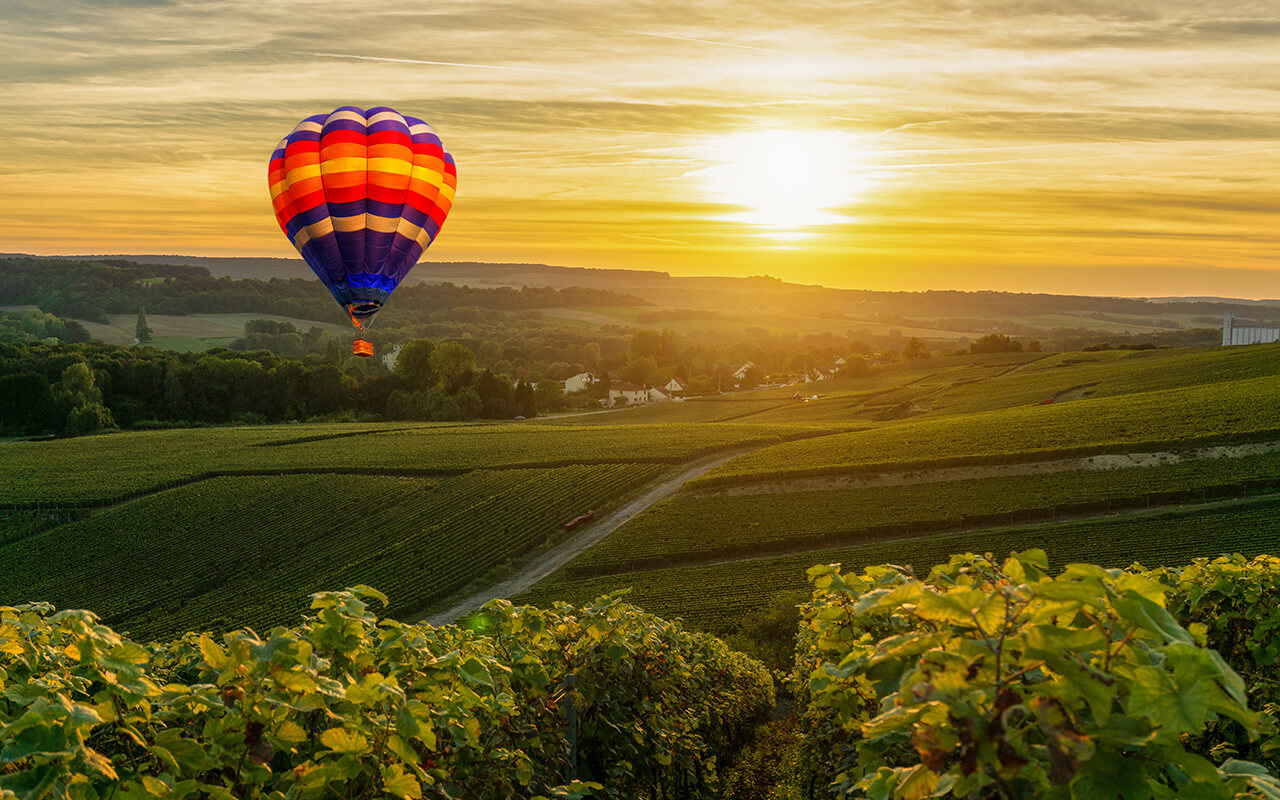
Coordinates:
[361,194]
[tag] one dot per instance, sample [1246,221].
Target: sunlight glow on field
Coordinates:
[785,179]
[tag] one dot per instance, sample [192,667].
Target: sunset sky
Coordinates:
[1025,145]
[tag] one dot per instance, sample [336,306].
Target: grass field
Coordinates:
[194,332]
[726,597]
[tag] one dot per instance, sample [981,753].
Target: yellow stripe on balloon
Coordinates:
[350,224]
[329,166]
[392,166]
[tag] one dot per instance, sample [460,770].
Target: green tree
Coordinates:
[526,402]
[452,366]
[914,349]
[413,363]
[996,343]
[142,331]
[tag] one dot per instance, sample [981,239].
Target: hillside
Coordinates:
[733,304]
[906,464]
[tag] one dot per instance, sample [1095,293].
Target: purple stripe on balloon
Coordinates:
[381,209]
[308,217]
[349,209]
[351,243]
[343,125]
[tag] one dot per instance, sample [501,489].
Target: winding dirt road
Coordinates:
[584,537]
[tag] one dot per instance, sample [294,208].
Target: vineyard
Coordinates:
[723,597]
[1110,373]
[92,470]
[729,525]
[1232,411]
[236,551]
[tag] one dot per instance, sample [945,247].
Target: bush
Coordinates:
[989,680]
[348,705]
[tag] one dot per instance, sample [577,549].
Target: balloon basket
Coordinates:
[362,348]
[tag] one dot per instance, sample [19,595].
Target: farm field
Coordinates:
[726,597]
[234,551]
[1218,412]
[691,525]
[1109,373]
[100,468]
[193,332]
[242,523]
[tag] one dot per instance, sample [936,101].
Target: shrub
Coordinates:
[989,680]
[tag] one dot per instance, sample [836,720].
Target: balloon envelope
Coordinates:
[361,194]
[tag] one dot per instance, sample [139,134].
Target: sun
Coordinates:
[784,180]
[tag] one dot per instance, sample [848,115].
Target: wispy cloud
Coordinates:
[442,63]
[1027,144]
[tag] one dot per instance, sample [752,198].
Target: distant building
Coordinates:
[675,385]
[579,382]
[818,374]
[389,358]
[741,372]
[659,394]
[633,393]
[840,362]
[1233,335]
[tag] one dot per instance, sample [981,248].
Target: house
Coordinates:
[659,394]
[675,385]
[632,393]
[840,362]
[818,374]
[578,383]
[389,358]
[741,372]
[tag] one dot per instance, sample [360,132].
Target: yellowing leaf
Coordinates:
[342,740]
[398,784]
[211,653]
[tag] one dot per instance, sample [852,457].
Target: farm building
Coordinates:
[1233,335]
[659,394]
[675,385]
[632,393]
[579,382]
[741,372]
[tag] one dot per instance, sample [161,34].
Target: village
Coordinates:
[621,394]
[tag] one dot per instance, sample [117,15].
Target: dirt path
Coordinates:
[976,471]
[585,537]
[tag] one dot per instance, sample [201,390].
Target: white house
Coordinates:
[840,362]
[389,358]
[659,394]
[579,382]
[633,393]
[675,385]
[818,374]
[741,372]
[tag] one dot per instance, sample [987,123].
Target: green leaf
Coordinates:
[1175,709]
[1111,776]
[1141,611]
[368,591]
[474,671]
